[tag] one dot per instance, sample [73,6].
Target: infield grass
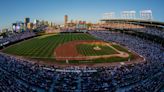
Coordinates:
[88,50]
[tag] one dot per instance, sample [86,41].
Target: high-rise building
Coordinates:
[46,23]
[36,21]
[50,24]
[18,26]
[65,20]
[5,30]
[30,26]
[26,21]
[14,26]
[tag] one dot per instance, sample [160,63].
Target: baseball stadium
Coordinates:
[117,54]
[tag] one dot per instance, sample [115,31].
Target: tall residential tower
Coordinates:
[26,21]
[65,20]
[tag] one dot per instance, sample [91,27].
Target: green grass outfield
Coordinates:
[42,47]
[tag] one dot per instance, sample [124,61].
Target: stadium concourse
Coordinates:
[24,76]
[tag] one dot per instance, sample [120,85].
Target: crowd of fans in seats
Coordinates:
[134,27]
[152,31]
[66,81]
[33,74]
[149,85]
[8,83]
[16,37]
[22,75]
[121,26]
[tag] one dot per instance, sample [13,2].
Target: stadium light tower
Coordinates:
[128,14]
[110,15]
[132,14]
[146,14]
[124,14]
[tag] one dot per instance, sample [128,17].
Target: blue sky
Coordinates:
[89,10]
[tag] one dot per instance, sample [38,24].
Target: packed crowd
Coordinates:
[16,37]
[24,76]
[150,84]
[152,31]
[119,25]
[8,83]
[21,75]
[134,27]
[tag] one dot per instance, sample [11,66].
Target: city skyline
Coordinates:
[89,10]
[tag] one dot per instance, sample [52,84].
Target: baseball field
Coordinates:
[75,47]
